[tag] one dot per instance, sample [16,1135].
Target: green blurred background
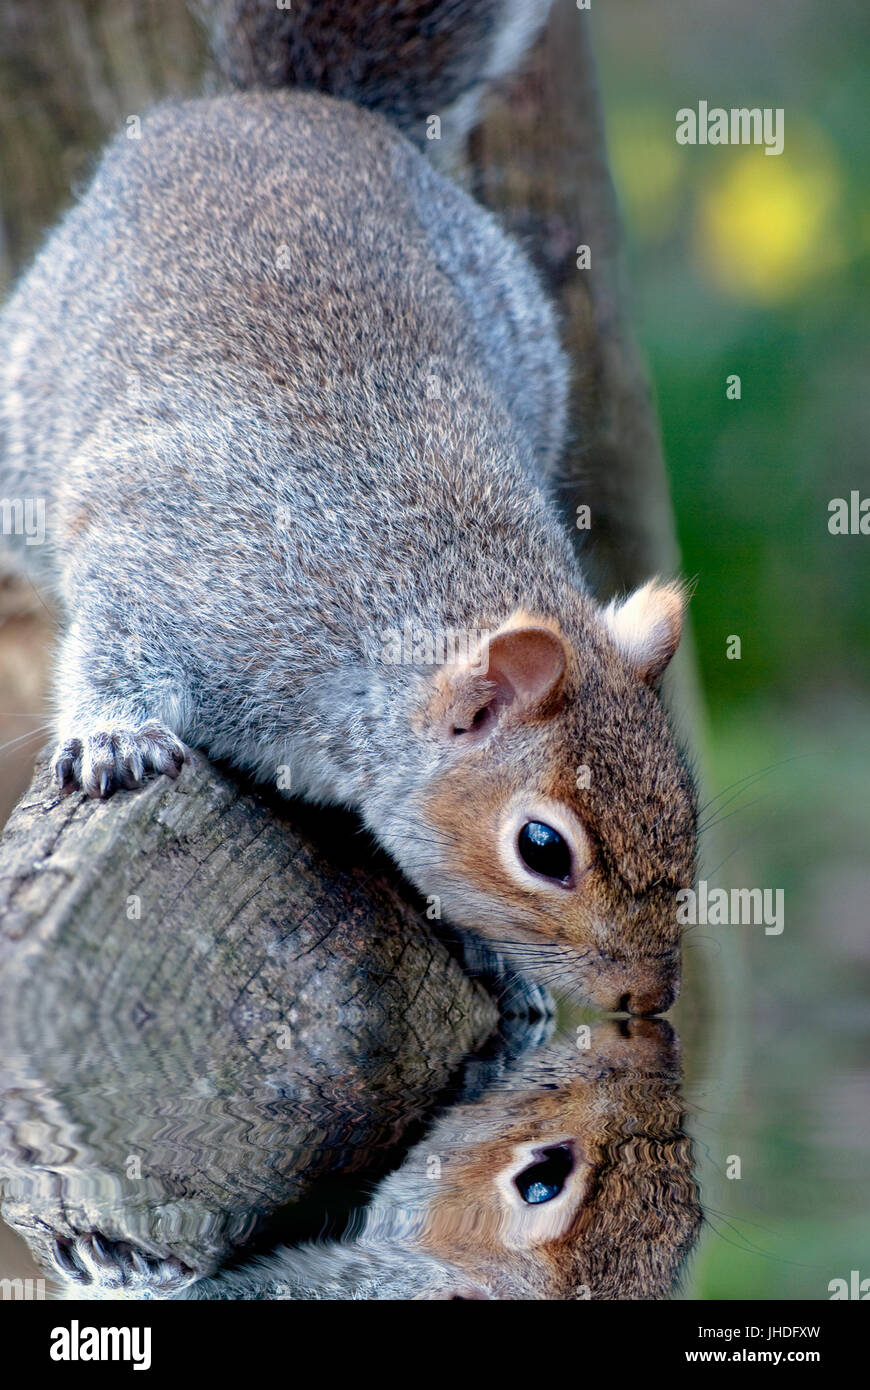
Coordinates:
[756,265]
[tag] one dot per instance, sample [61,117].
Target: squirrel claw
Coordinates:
[109,1266]
[102,762]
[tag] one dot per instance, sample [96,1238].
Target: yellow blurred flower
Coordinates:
[766,226]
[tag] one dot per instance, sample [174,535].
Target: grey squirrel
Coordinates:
[295,403]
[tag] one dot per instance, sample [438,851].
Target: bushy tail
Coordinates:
[408,59]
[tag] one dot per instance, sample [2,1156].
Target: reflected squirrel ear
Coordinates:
[645,627]
[521,666]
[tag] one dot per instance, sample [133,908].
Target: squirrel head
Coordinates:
[562,820]
[571,1176]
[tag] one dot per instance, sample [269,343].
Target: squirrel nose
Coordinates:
[649,1000]
[639,985]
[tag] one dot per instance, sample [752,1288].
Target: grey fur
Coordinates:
[445,1223]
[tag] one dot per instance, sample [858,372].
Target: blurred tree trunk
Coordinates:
[70,74]
[539,159]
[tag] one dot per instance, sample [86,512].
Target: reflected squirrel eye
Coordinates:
[544,851]
[546,1178]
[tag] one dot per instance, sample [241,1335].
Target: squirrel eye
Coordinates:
[544,851]
[546,1178]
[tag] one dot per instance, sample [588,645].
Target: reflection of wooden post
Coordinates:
[205,1005]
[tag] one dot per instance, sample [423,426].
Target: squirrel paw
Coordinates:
[107,1266]
[101,762]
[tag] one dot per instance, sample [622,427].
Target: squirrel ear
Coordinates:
[522,665]
[646,626]
[526,662]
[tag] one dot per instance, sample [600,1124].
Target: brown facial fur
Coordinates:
[618,924]
[635,1214]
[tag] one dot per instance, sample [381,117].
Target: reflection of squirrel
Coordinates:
[570,1178]
[566,1174]
[287,393]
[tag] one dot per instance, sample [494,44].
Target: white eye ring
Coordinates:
[554,816]
[528,1225]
